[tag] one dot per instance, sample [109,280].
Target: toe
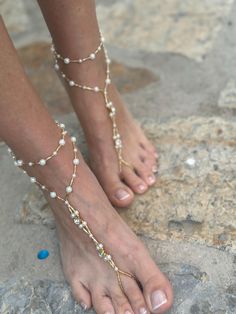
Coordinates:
[158,294]
[156,287]
[119,194]
[145,173]
[101,303]
[135,296]
[81,295]
[120,302]
[134,181]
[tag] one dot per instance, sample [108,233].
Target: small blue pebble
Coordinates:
[43,254]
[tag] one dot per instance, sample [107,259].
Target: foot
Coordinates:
[94,282]
[138,151]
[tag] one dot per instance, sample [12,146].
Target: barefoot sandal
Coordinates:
[74,213]
[109,104]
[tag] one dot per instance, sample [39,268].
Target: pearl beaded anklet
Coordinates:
[74,213]
[109,104]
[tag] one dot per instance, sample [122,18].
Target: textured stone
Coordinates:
[186,27]
[227,97]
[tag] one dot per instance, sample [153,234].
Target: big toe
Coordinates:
[158,293]
[156,287]
[119,193]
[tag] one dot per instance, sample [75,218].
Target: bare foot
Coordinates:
[94,282]
[137,149]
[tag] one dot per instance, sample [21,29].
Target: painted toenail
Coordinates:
[122,195]
[83,305]
[154,169]
[151,179]
[142,310]
[142,187]
[158,298]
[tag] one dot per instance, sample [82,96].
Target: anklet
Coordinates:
[109,104]
[74,213]
[42,161]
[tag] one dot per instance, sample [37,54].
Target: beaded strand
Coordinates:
[117,141]
[75,213]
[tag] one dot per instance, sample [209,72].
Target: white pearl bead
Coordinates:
[30,164]
[75,150]
[63,75]
[80,60]
[68,189]
[56,66]
[108,81]
[92,56]
[43,187]
[72,215]
[96,89]
[32,179]
[108,61]
[62,142]
[66,60]
[81,226]
[73,139]
[102,39]
[71,83]
[53,194]
[42,162]
[58,55]
[54,153]
[62,125]
[76,161]
[74,175]
[19,163]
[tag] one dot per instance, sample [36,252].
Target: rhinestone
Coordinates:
[66,60]
[77,221]
[32,179]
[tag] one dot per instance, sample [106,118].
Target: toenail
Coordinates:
[83,305]
[142,310]
[151,179]
[158,298]
[142,187]
[122,194]
[154,169]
